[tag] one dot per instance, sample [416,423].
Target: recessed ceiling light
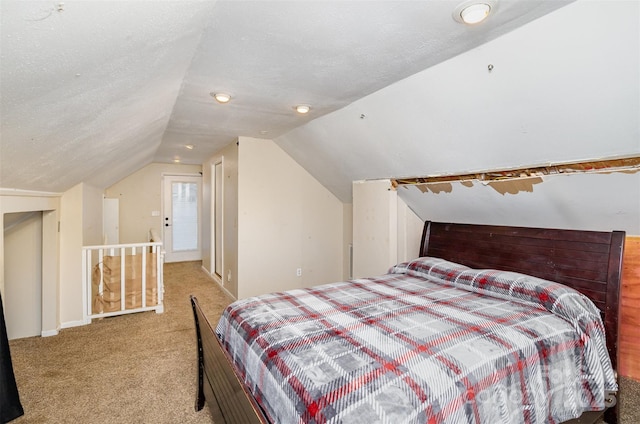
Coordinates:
[473,11]
[221,97]
[302,109]
[188,146]
[176,160]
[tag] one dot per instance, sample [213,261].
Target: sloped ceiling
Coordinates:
[94,90]
[88,86]
[563,88]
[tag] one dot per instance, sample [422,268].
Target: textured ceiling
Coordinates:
[94,90]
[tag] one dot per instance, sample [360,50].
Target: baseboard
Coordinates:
[49,333]
[212,275]
[70,324]
[218,281]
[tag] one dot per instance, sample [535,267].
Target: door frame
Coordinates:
[217,183]
[169,255]
[49,205]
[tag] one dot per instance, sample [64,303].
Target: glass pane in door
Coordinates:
[184,216]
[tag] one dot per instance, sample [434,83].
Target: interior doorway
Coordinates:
[181,220]
[111,220]
[23,249]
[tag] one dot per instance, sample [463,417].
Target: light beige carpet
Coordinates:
[140,368]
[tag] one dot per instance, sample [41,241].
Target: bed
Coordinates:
[500,283]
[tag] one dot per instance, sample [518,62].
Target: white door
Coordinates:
[111,221]
[181,218]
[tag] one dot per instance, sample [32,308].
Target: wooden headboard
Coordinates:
[589,261]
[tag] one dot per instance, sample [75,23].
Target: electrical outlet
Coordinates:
[229,276]
[299,272]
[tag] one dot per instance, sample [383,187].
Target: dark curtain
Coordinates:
[10,406]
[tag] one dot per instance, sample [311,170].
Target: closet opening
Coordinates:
[30,269]
[23,274]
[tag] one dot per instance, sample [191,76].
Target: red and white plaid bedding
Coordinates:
[430,342]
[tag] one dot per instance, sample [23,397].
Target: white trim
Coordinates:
[127,245]
[166,184]
[49,333]
[202,267]
[212,218]
[71,324]
[86,269]
[181,174]
[218,282]
[158,310]
[31,193]
[89,262]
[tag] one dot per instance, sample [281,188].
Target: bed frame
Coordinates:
[589,261]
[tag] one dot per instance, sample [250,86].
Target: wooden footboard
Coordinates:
[218,384]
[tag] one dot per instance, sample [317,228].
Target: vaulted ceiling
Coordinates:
[94,90]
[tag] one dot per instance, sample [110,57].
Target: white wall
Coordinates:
[565,87]
[92,213]
[375,235]
[80,225]
[277,218]
[140,194]
[347,241]
[71,242]
[410,227]
[385,230]
[23,275]
[286,221]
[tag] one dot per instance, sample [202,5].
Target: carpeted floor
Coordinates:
[140,368]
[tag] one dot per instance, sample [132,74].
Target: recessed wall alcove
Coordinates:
[29,257]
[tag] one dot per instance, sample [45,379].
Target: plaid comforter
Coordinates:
[429,342]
